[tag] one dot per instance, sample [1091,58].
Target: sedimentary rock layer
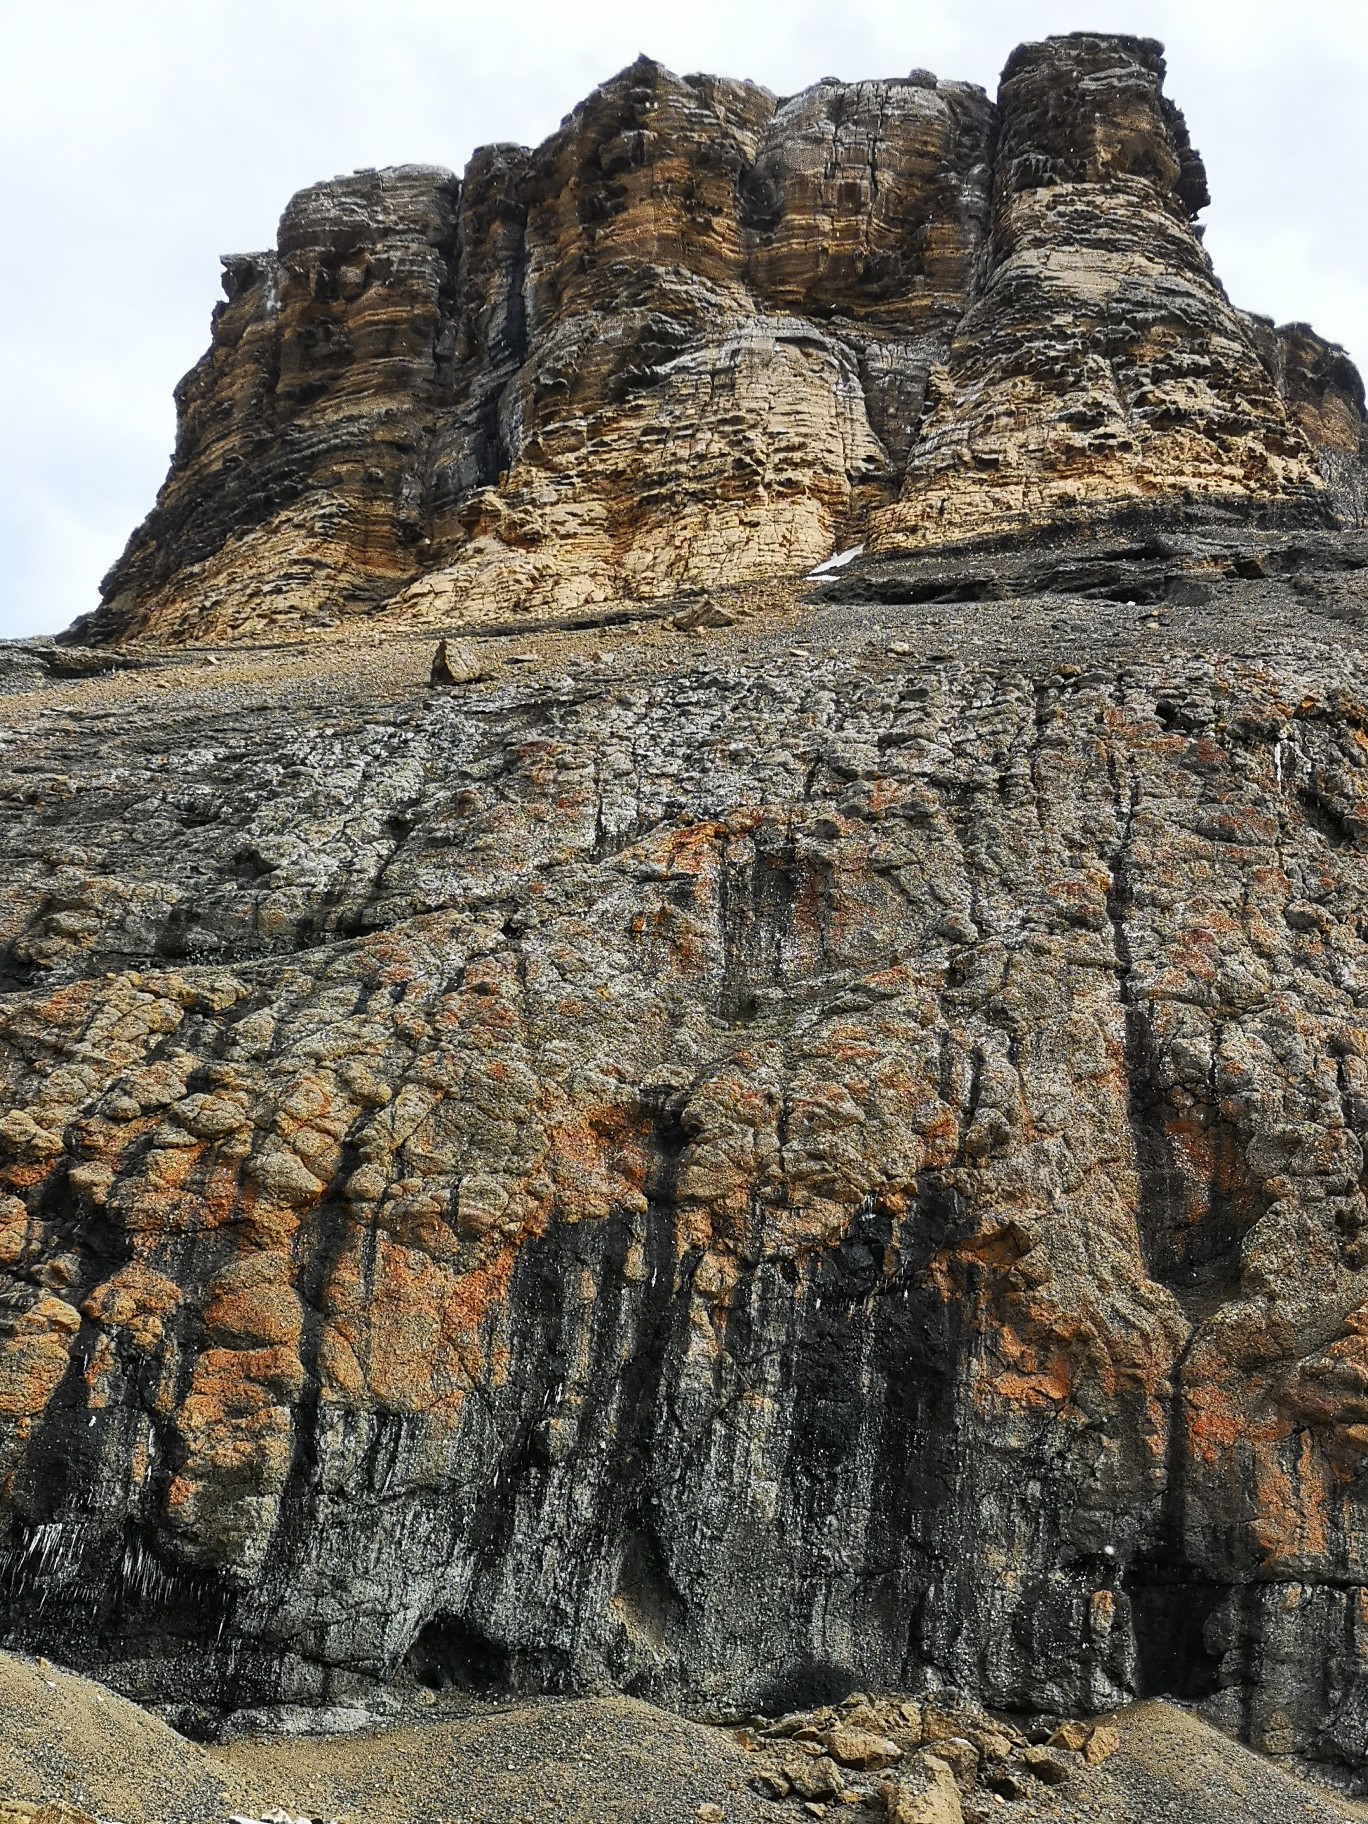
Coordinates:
[793,1145]
[702,333]
[298,482]
[735,1174]
[1100,364]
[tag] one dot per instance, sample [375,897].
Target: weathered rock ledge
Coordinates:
[702,333]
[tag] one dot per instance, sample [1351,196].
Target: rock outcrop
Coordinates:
[734,1176]
[813,1142]
[299,481]
[1099,365]
[701,334]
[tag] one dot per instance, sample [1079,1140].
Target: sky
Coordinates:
[141,139]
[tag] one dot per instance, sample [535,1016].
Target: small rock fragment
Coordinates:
[455,662]
[1071,1735]
[992,1744]
[861,1748]
[959,1754]
[934,1799]
[1047,1764]
[939,1722]
[813,1779]
[701,616]
[1101,1744]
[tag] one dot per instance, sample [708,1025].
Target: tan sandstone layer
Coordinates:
[703,333]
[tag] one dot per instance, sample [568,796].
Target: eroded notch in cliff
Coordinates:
[452,1654]
[756,901]
[645,1597]
[1159,1213]
[1170,1612]
[101,1594]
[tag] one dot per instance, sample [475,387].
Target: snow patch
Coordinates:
[837,561]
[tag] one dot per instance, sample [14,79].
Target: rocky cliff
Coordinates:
[702,334]
[808,1140]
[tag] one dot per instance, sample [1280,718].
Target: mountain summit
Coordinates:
[702,334]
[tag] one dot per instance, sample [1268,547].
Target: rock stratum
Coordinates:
[762,1137]
[702,334]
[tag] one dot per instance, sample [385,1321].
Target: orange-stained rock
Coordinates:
[813,1143]
[862,1148]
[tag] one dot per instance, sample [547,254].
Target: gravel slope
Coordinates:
[595,1760]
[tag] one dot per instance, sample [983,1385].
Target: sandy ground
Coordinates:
[1172,1768]
[608,1760]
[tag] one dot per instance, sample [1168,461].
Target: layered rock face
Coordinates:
[812,1145]
[732,1176]
[1100,363]
[701,334]
[679,417]
[1324,393]
[596,370]
[298,485]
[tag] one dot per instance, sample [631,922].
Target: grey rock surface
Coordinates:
[830,1156]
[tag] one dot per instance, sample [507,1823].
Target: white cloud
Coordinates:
[140,141]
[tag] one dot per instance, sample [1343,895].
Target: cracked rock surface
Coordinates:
[730,1137]
[815,1154]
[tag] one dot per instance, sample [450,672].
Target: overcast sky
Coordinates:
[142,138]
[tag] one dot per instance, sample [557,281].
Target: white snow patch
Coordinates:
[837,561]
